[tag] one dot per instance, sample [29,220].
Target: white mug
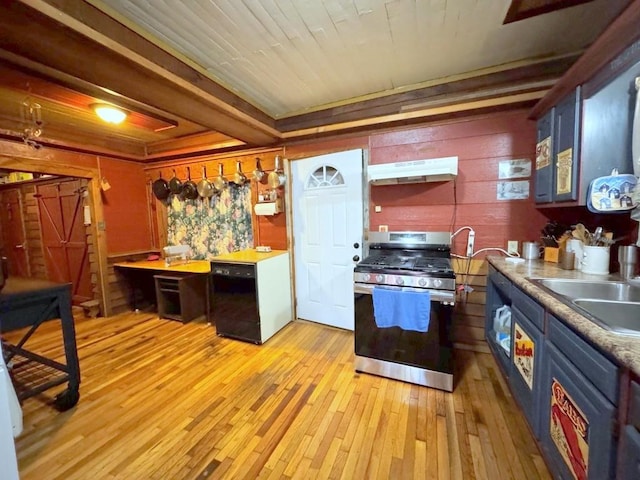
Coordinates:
[595,260]
[576,246]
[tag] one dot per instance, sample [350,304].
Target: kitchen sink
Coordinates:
[619,317]
[614,305]
[591,289]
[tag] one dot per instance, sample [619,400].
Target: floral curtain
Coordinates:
[212,227]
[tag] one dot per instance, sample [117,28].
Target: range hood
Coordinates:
[414,171]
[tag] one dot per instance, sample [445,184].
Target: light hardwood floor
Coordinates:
[162,400]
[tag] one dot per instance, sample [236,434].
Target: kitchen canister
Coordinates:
[530,250]
[595,260]
[576,246]
[628,261]
[567,260]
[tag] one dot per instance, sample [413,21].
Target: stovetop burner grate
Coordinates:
[398,262]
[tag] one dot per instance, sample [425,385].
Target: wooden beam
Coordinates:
[435,111]
[60,41]
[37,73]
[621,33]
[121,38]
[190,144]
[85,144]
[521,9]
[520,78]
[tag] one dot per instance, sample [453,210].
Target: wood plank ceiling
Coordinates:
[212,75]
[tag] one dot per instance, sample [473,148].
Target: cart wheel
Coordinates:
[66,400]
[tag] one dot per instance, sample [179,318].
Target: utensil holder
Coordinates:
[595,260]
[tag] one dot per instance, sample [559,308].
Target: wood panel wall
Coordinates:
[125,204]
[267,230]
[125,211]
[469,312]
[479,143]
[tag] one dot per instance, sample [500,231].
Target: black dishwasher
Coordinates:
[235,301]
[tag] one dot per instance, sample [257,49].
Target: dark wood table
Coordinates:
[28,302]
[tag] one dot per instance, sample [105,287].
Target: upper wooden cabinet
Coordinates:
[566,147]
[544,156]
[588,133]
[558,152]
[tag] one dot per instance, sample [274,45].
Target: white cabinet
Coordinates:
[8,464]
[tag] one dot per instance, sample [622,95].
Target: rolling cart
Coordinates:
[27,302]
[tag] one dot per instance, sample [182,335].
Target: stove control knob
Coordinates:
[437,282]
[422,282]
[379,278]
[367,277]
[399,280]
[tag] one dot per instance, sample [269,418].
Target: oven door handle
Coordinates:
[436,295]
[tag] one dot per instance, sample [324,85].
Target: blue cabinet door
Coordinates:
[498,295]
[577,422]
[544,159]
[566,141]
[629,468]
[527,352]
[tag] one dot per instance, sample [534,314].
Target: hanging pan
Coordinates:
[220,182]
[205,187]
[189,189]
[160,188]
[175,185]
[259,175]
[277,178]
[239,178]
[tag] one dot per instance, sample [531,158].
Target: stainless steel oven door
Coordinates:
[424,358]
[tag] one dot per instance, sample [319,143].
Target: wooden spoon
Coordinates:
[580,233]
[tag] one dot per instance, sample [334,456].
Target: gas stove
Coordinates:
[385,343]
[408,259]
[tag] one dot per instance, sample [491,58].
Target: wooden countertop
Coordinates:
[247,256]
[625,349]
[192,266]
[250,256]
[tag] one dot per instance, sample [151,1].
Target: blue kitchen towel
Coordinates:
[405,309]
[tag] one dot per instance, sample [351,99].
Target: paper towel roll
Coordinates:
[267,208]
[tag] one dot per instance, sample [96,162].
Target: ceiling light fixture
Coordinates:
[109,113]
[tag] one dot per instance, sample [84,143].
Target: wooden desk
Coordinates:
[28,302]
[149,269]
[192,266]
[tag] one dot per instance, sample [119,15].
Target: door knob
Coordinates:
[356,258]
[356,245]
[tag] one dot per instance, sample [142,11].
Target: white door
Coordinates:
[327,228]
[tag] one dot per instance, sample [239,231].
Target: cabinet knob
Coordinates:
[356,245]
[356,258]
